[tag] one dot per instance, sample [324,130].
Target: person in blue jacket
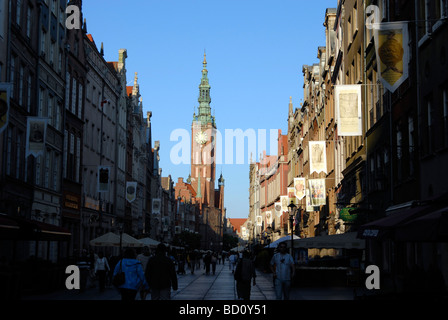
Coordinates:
[134,274]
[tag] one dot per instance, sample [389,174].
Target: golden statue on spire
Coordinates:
[205,61]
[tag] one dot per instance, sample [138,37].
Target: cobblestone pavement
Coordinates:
[200,286]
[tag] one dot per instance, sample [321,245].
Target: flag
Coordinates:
[318,158]
[278,209]
[259,220]
[156,204]
[5,92]
[392,53]
[36,133]
[317,192]
[131,191]
[348,110]
[299,188]
[268,218]
[104,102]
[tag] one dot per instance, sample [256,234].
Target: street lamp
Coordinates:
[292,210]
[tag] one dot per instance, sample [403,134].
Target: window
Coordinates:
[43,42]
[38,170]
[57,123]
[429,126]
[28,100]
[50,110]
[81,88]
[78,158]
[28,21]
[60,61]
[19,12]
[55,182]
[47,168]
[18,155]
[64,157]
[21,71]
[52,53]
[12,72]
[41,102]
[445,116]
[74,89]
[423,16]
[8,151]
[67,90]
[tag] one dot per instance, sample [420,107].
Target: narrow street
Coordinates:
[221,286]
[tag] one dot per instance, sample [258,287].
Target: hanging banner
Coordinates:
[103,178]
[299,188]
[259,220]
[292,196]
[36,133]
[318,158]
[156,205]
[268,218]
[131,191]
[5,93]
[278,209]
[392,53]
[348,110]
[309,207]
[284,202]
[317,192]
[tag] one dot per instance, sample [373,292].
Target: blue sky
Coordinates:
[255,53]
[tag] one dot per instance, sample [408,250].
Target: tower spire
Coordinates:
[204,111]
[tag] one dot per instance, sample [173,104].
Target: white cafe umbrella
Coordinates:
[113,240]
[149,242]
[282,239]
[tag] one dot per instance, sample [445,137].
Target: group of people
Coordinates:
[209,260]
[147,273]
[282,267]
[156,273]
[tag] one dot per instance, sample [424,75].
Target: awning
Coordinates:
[385,227]
[427,228]
[17,228]
[347,240]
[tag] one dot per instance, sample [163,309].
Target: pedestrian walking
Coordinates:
[282,266]
[181,263]
[214,260]
[161,274]
[101,269]
[193,257]
[207,261]
[134,275]
[144,258]
[232,262]
[244,273]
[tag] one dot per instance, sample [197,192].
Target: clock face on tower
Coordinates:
[201,137]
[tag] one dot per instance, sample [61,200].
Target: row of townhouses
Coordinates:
[366,149]
[77,156]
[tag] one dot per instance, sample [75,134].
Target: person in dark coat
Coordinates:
[207,261]
[244,273]
[161,274]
